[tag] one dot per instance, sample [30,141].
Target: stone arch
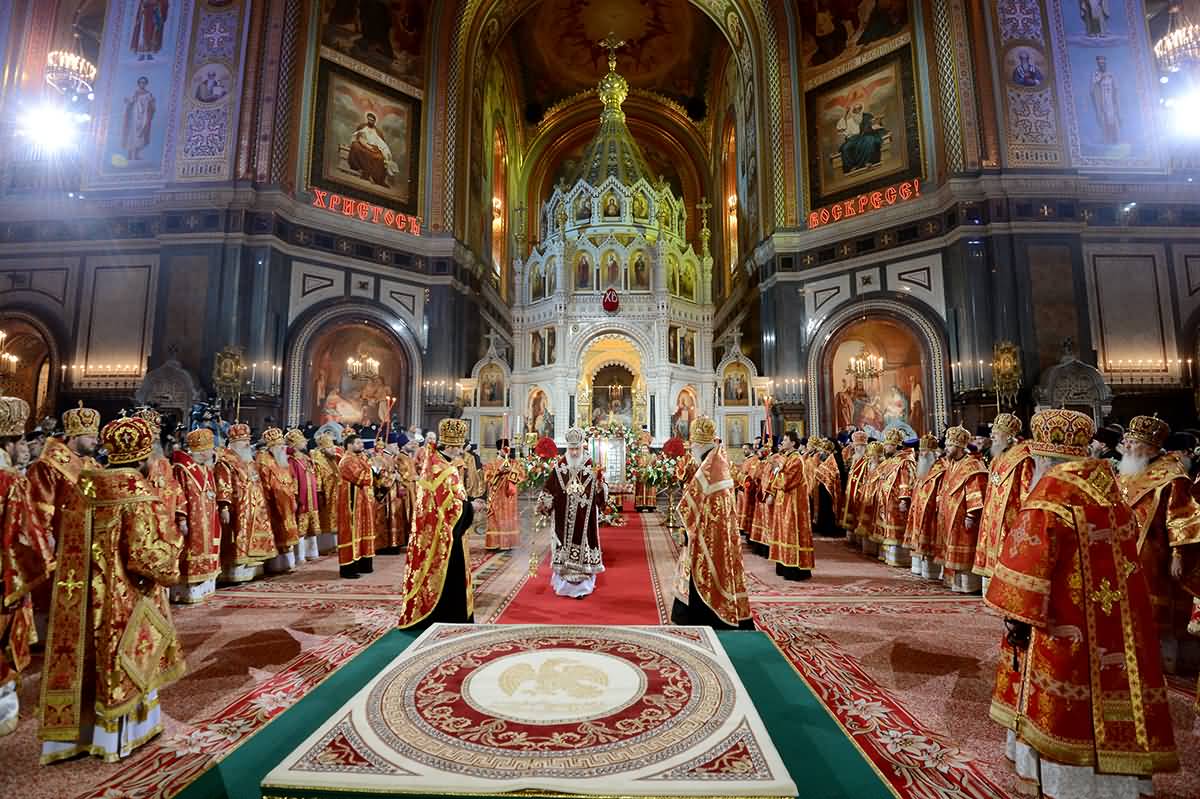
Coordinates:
[308,326]
[479,25]
[927,330]
[585,338]
[54,359]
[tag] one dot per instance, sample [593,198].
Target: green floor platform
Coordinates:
[821,759]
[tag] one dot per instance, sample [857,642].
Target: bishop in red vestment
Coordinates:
[1084,701]
[246,536]
[26,561]
[308,490]
[710,582]
[279,489]
[112,644]
[921,528]
[355,510]
[437,574]
[201,561]
[1008,483]
[959,505]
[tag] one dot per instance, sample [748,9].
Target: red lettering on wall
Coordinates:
[319,197]
[889,195]
[870,201]
[367,212]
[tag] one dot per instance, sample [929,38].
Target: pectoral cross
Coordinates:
[71,585]
[574,488]
[1105,596]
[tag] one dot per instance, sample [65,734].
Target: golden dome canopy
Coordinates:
[612,152]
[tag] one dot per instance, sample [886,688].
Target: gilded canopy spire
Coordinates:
[613,152]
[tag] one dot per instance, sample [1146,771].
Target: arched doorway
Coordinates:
[358,370]
[875,374]
[612,385]
[30,361]
[345,360]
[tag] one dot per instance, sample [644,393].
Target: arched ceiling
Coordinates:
[668,50]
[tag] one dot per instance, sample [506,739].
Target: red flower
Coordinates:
[674,447]
[546,448]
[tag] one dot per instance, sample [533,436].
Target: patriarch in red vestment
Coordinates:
[1080,686]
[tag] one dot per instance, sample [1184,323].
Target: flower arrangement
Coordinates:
[666,470]
[618,430]
[610,514]
[539,463]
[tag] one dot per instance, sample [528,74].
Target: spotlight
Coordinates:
[51,128]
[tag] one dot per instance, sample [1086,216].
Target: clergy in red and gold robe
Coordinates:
[502,477]
[325,459]
[308,518]
[26,561]
[201,561]
[160,473]
[959,506]
[893,492]
[1086,706]
[246,536]
[760,526]
[791,526]
[390,534]
[279,488]
[437,574]
[857,475]
[54,476]
[827,491]
[710,582]
[1008,483]
[112,643]
[645,495]
[920,530]
[406,468]
[868,499]
[355,510]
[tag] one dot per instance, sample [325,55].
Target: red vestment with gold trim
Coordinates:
[308,518]
[712,560]
[501,477]
[893,485]
[26,560]
[1008,483]
[326,468]
[921,528]
[355,509]
[279,489]
[748,481]
[856,480]
[441,504]
[791,523]
[247,540]
[1090,691]
[1168,517]
[962,493]
[389,526]
[202,549]
[760,530]
[111,640]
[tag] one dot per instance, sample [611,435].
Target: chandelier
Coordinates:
[366,369]
[8,361]
[69,72]
[1180,47]
[866,366]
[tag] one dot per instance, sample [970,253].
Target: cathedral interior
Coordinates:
[535,216]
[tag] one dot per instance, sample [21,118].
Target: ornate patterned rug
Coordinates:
[601,711]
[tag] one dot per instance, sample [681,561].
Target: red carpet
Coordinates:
[624,592]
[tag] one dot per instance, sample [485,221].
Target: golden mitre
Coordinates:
[703,431]
[81,421]
[452,432]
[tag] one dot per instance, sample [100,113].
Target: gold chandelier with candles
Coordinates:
[365,369]
[8,361]
[1180,46]
[69,71]
[866,366]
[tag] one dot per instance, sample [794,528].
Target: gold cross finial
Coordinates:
[611,43]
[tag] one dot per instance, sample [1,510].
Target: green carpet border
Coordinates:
[821,758]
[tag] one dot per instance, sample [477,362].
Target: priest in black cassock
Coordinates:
[573,496]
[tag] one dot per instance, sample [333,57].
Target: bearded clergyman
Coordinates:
[710,582]
[573,496]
